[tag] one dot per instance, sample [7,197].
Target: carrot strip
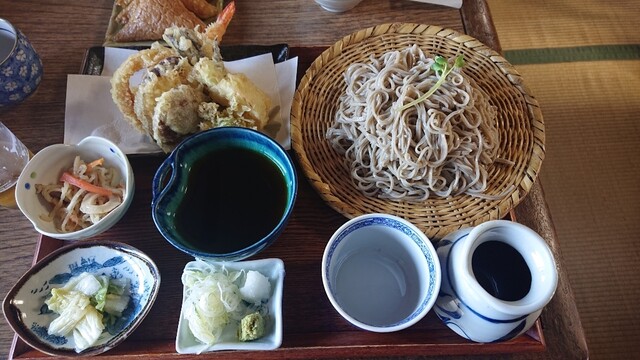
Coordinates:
[94,163]
[66,177]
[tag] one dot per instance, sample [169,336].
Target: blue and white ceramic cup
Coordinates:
[380,272]
[20,65]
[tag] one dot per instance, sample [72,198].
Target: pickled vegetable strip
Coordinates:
[84,185]
[85,194]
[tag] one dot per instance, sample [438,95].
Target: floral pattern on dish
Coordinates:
[30,317]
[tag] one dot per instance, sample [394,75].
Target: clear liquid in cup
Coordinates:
[377,288]
[13,158]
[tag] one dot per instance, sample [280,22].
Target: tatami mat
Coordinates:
[591,173]
[590,176]
[524,24]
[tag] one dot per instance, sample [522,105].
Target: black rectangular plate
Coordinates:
[94,58]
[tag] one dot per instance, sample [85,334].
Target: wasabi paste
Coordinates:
[251,327]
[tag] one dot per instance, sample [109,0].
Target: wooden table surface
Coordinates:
[61,31]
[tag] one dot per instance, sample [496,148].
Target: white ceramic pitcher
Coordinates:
[496,278]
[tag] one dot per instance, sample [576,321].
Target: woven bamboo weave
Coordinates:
[520,125]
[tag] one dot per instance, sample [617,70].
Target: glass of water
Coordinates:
[13,158]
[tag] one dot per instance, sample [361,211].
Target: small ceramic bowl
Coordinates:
[208,203]
[28,315]
[381,273]
[273,269]
[338,5]
[47,166]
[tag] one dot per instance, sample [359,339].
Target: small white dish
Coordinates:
[273,269]
[381,273]
[28,315]
[338,6]
[47,166]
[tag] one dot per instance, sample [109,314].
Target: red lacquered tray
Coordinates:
[312,328]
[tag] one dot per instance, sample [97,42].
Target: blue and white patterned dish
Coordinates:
[47,166]
[21,71]
[28,315]
[381,273]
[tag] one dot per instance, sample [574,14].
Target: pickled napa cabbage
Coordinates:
[84,304]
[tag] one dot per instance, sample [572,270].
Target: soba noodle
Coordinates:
[439,147]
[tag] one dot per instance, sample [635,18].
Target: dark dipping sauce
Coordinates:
[234,197]
[501,270]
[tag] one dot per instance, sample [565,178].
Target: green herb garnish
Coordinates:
[442,67]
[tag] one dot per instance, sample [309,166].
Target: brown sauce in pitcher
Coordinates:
[501,270]
[235,197]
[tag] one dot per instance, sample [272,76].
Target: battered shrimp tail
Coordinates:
[216,30]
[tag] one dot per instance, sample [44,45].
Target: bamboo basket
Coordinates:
[519,119]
